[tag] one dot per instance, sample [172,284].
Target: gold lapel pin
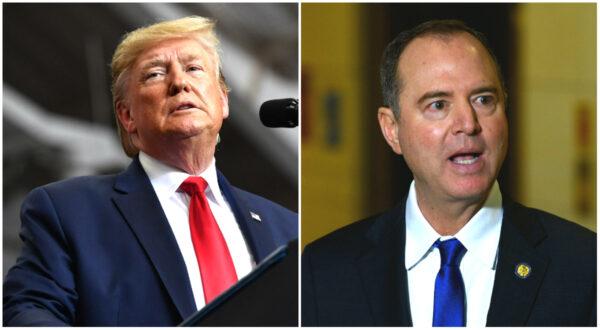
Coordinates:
[523,270]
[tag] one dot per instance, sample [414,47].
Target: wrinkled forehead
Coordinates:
[442,52]
[182,49]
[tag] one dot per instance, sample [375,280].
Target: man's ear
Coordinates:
[125,117]
[225,102]
[389,128]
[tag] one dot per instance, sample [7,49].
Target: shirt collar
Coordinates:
[480,236]
[166,179]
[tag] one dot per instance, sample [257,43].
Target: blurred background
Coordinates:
[547,53]
[58,119]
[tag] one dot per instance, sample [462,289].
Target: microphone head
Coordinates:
[279,113]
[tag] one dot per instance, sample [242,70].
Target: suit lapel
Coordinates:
[257,235]
[141,209]
[382,270]
[515,291]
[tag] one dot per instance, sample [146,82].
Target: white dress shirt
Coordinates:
[166,181]
[480,236]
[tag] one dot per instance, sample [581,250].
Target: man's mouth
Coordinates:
[185,106]
[465,158]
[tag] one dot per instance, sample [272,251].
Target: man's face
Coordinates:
[452,128]
[173,93]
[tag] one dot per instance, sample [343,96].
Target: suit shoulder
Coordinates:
[555,225]
[78,185]
[344,242]
[563,237]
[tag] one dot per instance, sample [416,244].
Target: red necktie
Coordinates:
[216,267]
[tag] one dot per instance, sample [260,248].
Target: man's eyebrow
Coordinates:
[485,89]
[153,63]
[439,93]
[161,62]
[432,94]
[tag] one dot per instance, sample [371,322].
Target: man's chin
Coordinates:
[470,190]
[192,130]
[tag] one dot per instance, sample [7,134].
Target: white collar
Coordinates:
[166,179]
[480,236]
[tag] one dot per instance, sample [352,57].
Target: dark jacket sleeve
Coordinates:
[40,289]
[309,308]
[593,322]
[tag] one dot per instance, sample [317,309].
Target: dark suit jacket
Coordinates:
[99,251]
[356,275]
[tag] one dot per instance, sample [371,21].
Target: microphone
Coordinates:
[279,113]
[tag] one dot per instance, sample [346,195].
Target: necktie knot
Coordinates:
[451,252]
[194,185]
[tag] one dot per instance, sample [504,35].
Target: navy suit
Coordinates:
[99,251]
[356,275]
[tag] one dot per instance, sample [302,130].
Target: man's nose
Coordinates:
[466,120]
[178,82]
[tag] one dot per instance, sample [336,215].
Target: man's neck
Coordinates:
[189,159]
[448,217]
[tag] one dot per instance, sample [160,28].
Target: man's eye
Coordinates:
[484,99]
[438,105]
[152,75]
[195,68]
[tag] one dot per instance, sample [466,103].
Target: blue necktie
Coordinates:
[449,297]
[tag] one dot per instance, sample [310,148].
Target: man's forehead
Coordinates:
[183,49]
[425,51]
[422,45]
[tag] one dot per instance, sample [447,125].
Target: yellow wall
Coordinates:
[556,76]
[331,174]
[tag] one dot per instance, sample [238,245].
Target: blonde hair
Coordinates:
[137,41]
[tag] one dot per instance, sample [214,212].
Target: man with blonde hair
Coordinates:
[157,242]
